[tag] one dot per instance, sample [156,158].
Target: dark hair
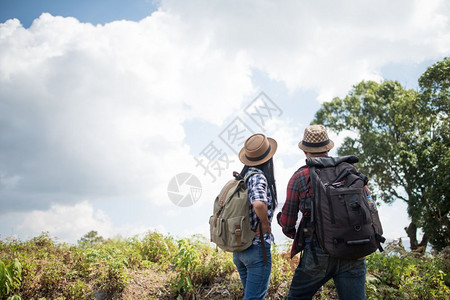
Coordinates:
[267,169]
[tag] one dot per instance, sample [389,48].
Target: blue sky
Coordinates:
[104,103]
[96,12]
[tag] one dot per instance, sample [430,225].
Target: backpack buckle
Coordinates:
[238,233]
[237,175]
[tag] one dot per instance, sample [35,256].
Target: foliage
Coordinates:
[282,270]
[10,278]
[53,270]
[406,275]
[186,262]
[434,101]
[46,269]
[90,239]
[403,142]
[155,247]
[197,264]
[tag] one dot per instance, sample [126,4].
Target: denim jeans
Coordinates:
[349,276]
[254,273]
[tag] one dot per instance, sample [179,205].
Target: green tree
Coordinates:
[90,239]
[403,145]
[434,151]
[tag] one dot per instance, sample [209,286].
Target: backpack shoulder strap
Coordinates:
[313,177]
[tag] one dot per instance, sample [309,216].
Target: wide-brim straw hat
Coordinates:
[316,140]
[257,150]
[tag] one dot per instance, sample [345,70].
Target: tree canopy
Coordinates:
[403,142]
[91,238]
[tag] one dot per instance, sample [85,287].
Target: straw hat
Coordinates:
[315,140]
[257,150]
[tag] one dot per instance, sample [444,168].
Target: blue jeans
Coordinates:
[255,275]
[349,276]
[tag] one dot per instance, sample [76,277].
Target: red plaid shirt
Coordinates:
[298,198]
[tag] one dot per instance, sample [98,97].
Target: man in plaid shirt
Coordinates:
[315,267]
[298,198]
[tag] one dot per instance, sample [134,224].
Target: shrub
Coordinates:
[189,268]
[10,278]
[104,265]
[399,274]
[282,271]
[156,248]
[198,265]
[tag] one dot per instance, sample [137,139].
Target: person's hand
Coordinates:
[279,218]
[266,228]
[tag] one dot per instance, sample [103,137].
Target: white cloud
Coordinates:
[101,107]
[172,213]
[70,222]
[288,134]
[201,229]
[323,45]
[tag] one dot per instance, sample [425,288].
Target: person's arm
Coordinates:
[258,198]
[287,218]
[260,208]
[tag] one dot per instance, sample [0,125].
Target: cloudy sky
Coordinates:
[107,107]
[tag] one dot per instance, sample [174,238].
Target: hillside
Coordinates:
[161,267]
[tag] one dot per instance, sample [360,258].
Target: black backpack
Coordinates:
[344,221]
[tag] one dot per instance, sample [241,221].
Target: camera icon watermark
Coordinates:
[184,189]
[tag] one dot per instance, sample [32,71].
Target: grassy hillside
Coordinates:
[161,267]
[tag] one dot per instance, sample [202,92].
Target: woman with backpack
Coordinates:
[254,264]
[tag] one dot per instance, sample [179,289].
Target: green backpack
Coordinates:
[230,223]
